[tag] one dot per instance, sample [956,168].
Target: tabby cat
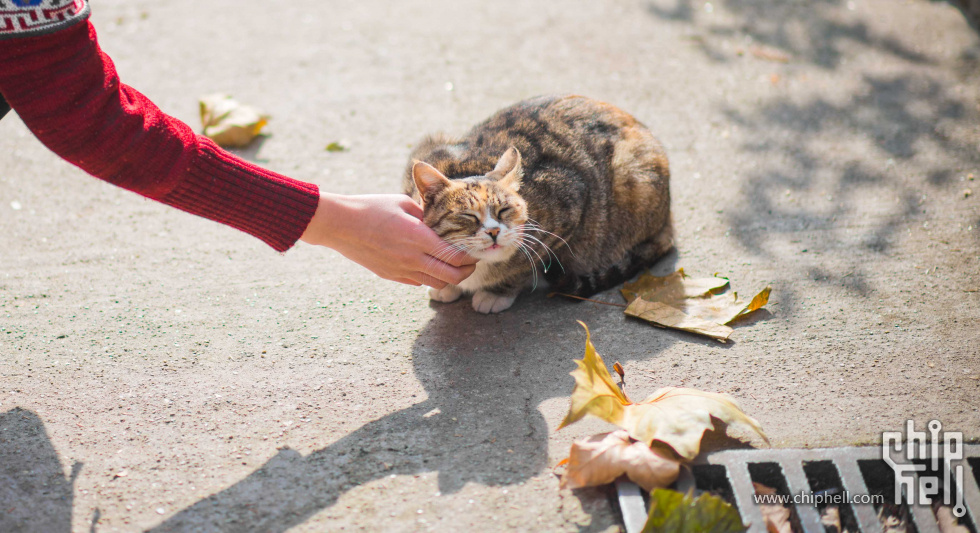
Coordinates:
[567,190]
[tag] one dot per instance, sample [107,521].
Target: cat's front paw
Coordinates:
[488,302]
[449,293]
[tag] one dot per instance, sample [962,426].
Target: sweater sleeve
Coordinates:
[67,92]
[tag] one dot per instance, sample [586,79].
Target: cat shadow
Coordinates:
[484,376]
[35,493]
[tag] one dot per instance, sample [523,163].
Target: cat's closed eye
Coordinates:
[501,212]
[469,217]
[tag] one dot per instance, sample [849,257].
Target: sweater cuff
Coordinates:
[262,203]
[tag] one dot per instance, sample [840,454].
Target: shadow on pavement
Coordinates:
[809,31]
[485,377]
[843,175]
[35,494]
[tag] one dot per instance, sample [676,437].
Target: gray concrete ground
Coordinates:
[163,372]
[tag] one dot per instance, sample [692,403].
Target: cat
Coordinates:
[564,188]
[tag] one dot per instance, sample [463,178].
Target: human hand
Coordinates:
[385,234]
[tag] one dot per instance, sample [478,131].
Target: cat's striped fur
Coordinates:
[583,202]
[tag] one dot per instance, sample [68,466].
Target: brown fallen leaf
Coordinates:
[893,519]
[228,123]
[601,459]
[672,287]
[947,521]
[675,416]
[661,314]
[690,304]
[776,516]
[830,519]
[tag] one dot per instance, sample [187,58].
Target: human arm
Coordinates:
[67,92]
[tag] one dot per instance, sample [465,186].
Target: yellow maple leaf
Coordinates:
[675,416]
[595,392]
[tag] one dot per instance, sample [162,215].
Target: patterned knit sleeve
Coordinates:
[66,90]
[22,18]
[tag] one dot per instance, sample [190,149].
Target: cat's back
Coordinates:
[564,131]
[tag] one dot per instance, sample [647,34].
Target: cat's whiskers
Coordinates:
[536,226]
[535,252]
[549,251]
[534,271]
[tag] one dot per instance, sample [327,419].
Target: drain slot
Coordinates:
[823,478]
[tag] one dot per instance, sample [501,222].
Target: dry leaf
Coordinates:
[677,417]
[893,519]
[947,521]
[673,287]
[601,459]
[228,123]
[777,517]
[661,314]
[673,512]
[830,519]
[689,304]
[594,392]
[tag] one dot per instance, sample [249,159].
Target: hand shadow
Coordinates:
[485,377]
[35,494]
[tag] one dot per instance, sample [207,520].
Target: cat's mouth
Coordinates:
[493,253]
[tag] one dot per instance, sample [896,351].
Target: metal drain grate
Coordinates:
[858,471]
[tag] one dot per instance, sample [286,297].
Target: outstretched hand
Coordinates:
[385,234]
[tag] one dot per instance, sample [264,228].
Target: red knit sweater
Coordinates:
[67,92]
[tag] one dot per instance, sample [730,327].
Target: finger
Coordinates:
[412,207]
[407,281]
[461,259]
[447,273]
[435,283]
[435,247]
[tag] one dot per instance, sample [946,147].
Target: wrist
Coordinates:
[326,226]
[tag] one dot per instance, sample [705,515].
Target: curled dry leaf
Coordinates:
[601,459]
[697,305]
[228,123]
[776,516]
[673,512]
[675,416]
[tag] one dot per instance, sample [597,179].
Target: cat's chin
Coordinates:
[494,254]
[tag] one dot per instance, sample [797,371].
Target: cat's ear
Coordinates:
[429,181]
[509,167]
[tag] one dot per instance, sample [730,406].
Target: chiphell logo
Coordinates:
[912,485]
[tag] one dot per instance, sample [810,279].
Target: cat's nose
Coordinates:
[493,232]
